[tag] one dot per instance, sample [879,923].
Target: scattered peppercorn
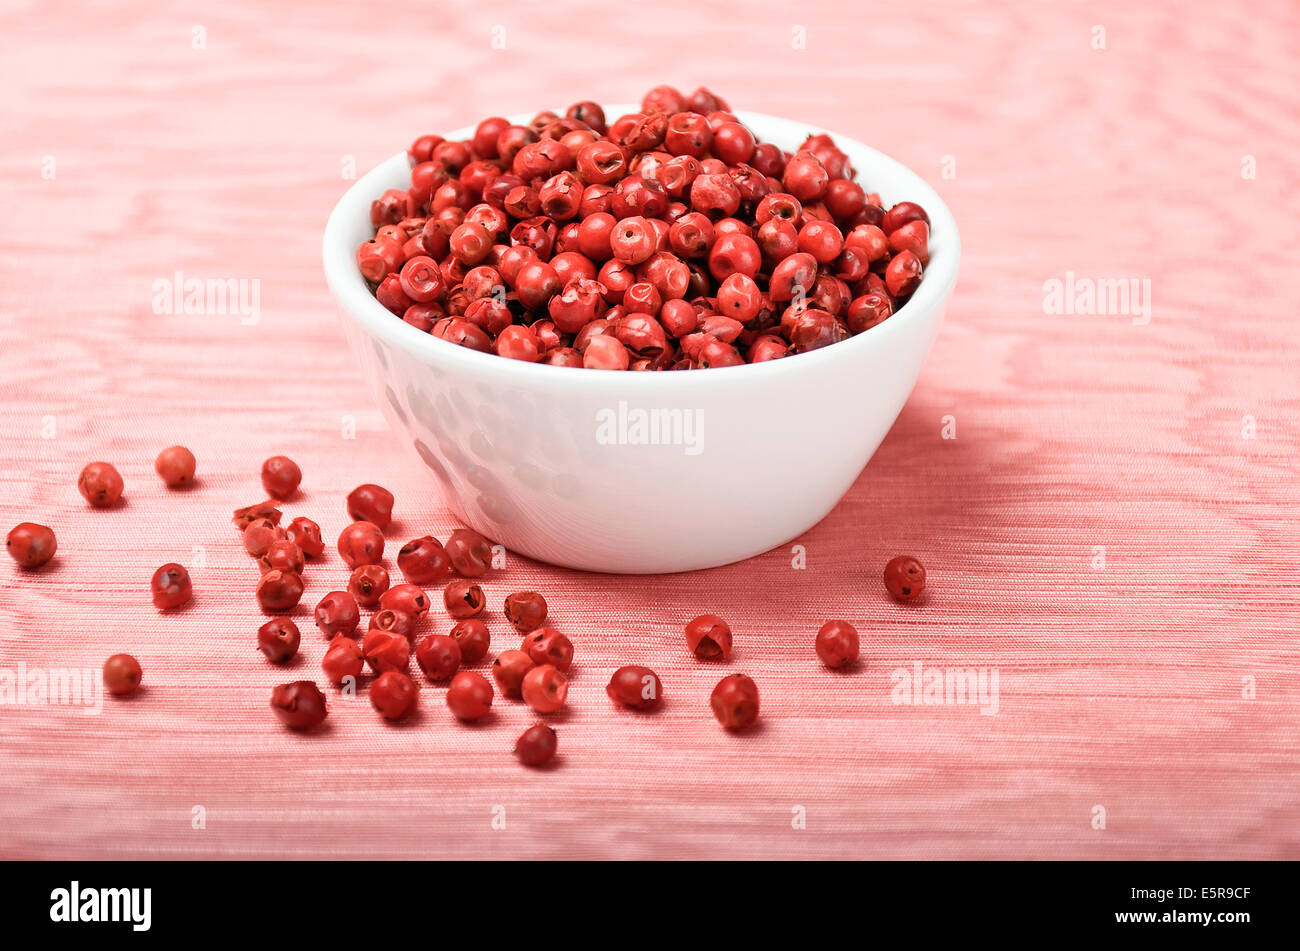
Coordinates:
[367,583]
[305,533]
[509,670]
[394,695]
[474,639]
[544,688]
[463,598]
[361,543]
[371,503]
[385,650]
[469,696]
[100,485]
[278,639]
[171,586]
[438,656]
[735,702]
[278,591]
[470,553]
[175,465]
[299,705]
[837,644]
[343,659]
[709,637]
[536,745]
[122,674]
[409,598]
[546,645]
[635,687]
[31,545]
[280,477]
[337,613]
[526,610]
[904,578]
[423,561]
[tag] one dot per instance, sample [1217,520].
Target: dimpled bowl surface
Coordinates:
[549,461]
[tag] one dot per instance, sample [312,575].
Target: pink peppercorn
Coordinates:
[635,687]
[31,545]
[100,485]
[473,638]
[171,587]
[305,533]
[837,644]
[408,598]
[337,613]
[509,669]
[544,688]
[278,591]
[709,637]
[175,465]
[905,577]
[122,674]
[394,695]
[343,659]
[367,584]
[546,645]
[469,696]
[280,477]
[398,622]
[361,543]
[470,553]
[423,561]
[385,650]
[734,702]
[438,656]
[299,705]
[536,746]
[463,598]
[278,639]
[526,610]
[371,503]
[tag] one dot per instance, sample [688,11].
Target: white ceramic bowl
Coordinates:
[549,461]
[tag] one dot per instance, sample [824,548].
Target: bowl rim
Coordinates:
[353,296]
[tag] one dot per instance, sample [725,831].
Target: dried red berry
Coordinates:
[361,543]
[305,533]
[470,553]
[171,586]
[386,650]
[280,477]
[473,638]
[837,644]
[904,577]
[735,702]
[546,645]
[536,745]
[261,511]
[367,583]
[398,622]
[100,485]
[282,554]
[408,598]
[544,688]
[122,674]
[175,465]
[463,598]
[343,659]
[278,590]
[31,545]
[278,639]
[299,705]
[636,687]
[709,637]
[438,656]
[394,695]
[371,503]
[469,696]
[526,610]
[509,670]
[337,613]
[424,561]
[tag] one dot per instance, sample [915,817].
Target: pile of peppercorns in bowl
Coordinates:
[667,238]
[536,672]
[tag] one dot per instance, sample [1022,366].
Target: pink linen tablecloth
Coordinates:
[1106,502]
